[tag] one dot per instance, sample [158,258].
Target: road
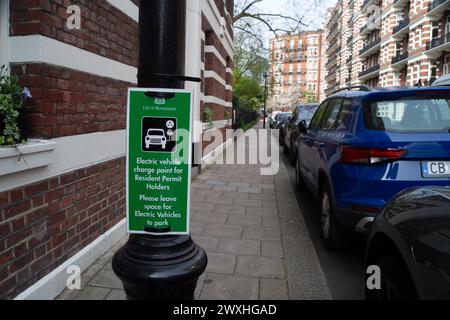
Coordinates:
[344,270]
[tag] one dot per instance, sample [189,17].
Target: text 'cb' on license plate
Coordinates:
[436,169]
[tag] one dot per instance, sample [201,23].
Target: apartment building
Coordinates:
[387,42]
[62,200]
[295,69]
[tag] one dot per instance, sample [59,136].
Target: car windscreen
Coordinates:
[155,133]
[409,115]
[306,113]
[283,116]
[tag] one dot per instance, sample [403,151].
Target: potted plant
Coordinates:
[12,97]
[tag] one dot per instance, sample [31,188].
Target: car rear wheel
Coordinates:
[332,235]
[396,283]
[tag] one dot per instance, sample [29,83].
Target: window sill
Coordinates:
[33,154]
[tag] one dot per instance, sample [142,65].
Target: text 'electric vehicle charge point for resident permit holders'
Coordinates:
[158,161]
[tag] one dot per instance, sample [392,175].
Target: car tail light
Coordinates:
[370,155]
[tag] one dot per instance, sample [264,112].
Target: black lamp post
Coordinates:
[160,267]
[265,75]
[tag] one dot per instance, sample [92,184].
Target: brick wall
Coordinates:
[45,223]
[105,30]
[67,102]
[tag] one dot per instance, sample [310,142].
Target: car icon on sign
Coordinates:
[155,137]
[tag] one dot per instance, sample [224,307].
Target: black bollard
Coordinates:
[160,267]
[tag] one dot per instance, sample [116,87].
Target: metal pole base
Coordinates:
[159,267]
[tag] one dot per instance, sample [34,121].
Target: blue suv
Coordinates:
[364,146]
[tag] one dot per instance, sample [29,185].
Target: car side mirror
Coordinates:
[303,127]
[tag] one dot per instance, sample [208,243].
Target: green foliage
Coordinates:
[208,115]
[248,97]
[10,104]
[310,97]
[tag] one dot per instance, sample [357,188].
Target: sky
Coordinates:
[313,11]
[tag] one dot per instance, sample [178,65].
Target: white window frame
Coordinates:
[4,33]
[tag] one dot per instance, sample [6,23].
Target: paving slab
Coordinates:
[232,210]
[244,220]
[261,233]
[221,263]
[209,244]
[272,249]
[239,247]
[223,287]
[223,231]
[272,289]
[263,267]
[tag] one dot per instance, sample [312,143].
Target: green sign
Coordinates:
[158,161]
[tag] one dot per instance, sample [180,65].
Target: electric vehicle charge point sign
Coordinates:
[158,161]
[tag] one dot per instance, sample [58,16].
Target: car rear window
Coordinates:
[409,115]
[283,116]
[306,112]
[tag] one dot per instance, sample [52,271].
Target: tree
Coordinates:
[249,57]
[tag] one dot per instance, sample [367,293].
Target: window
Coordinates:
[318,116]
[334,107]
[446,64]
[344,119]
[4,26]
[410,115]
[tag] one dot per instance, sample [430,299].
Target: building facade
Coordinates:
[62,200]
[387,42]
[295,69]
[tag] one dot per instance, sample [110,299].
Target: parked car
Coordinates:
[363,147]
[271,118]
[409,242]
[278,123]
[442,81]
[291,131]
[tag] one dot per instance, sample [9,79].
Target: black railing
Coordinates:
[400,57]
[403,24]
[350,39]
[436,3]
[348,79]
[363,28]
[436,42]
[349,59]
[366,3]
[369,46]
[369,70]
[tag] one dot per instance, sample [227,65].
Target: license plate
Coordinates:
[436,169]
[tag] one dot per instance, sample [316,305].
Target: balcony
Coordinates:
[437,45]
[369,72]
[370,48]
[363,28]
[366,4]
[400,3]
[349,40]
[349,59]
[400,59]
[401,28]
[437,8]
[347,80]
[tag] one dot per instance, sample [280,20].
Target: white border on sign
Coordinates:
[191,92]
